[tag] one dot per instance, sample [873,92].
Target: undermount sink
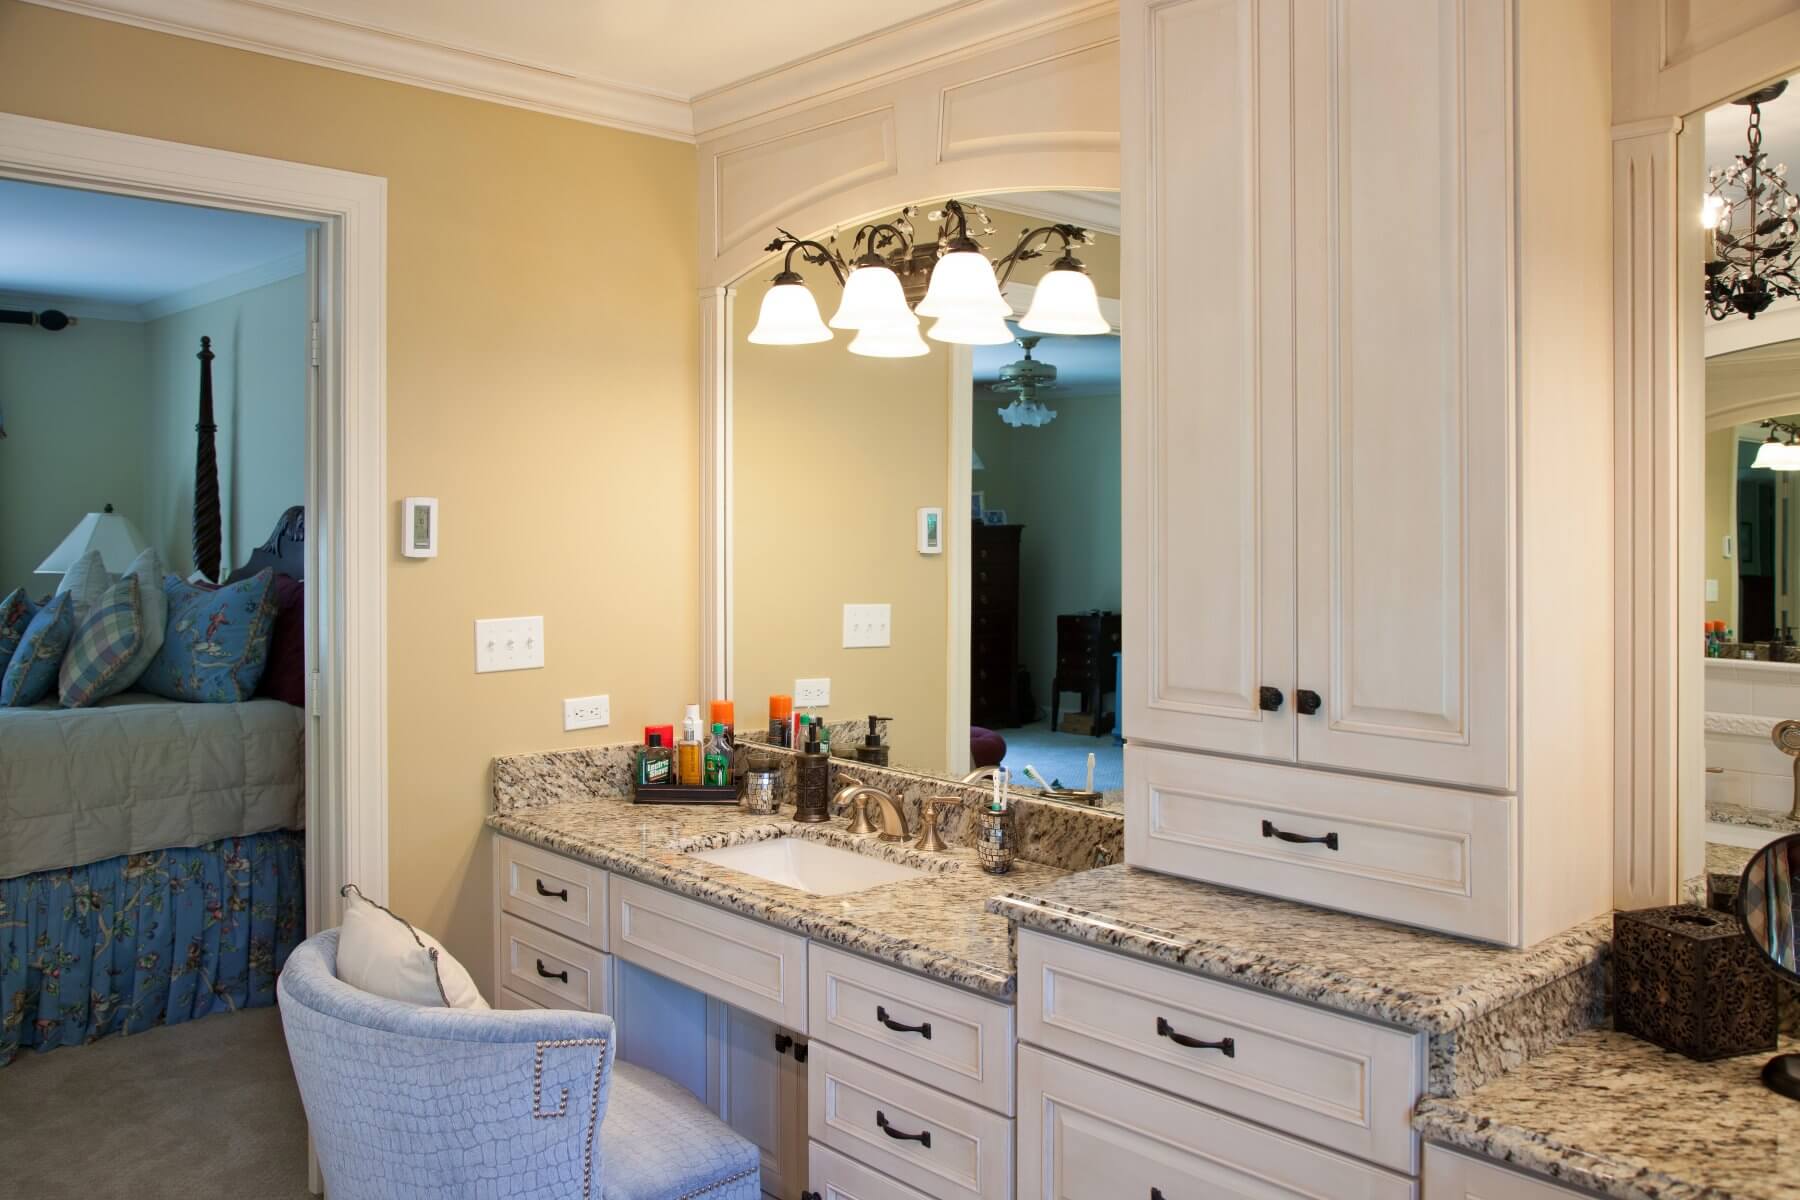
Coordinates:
[809,866]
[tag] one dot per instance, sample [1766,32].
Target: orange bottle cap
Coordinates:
[780,707]
[721,711]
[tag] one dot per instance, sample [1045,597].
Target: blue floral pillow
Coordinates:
[16,612]
[217,641]
[31,675]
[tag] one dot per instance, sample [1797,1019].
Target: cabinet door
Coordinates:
[1405,386]
[1208,406]
[762,1095]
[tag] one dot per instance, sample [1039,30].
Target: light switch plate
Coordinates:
[812,693]
[587,712]
[509,644]
[1712,591]
[868,625]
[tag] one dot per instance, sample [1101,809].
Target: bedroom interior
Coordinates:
[685,547]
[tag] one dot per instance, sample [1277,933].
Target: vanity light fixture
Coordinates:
[1749,216]
[1775,454]
[951,280]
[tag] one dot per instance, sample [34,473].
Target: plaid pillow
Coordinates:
[31,675]
[104,645]
[16,612]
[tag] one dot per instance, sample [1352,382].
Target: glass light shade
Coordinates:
[872,296]
[971,331]
[1065,302]
[112,534]
[890,340]
[963,286]
[789,317]
[1712,210]
[1787,460]
[1768,454]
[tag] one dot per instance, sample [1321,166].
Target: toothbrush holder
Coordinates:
[997,840]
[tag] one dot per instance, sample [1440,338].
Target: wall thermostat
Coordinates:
[419,527]
[931,531]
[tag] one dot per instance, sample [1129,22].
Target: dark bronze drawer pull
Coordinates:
[881,1014]
[923,1137]
[1156,1193]
[1329,841]
[545,973]
[562,895]
[1225,1046]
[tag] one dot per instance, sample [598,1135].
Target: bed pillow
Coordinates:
[16,612]
[216,643]
[85,583]
[103,646]
[384,955]
[285,677]
[31,675]
[153,607]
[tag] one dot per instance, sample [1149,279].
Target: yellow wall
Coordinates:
[1721,519]
[542,347]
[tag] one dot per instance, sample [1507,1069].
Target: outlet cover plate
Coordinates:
[509,644]
[812,693]
[587,712]
[868,625]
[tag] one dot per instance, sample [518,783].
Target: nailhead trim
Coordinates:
[562,1108]
[713,1187]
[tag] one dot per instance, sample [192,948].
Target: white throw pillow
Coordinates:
[153,610]
[384,955]
[87,581]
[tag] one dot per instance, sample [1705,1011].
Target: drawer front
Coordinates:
[557,893]
[1084,1135]
[1427,856]
[742,962]
[551,970]
[947,1148]
[831,1176]
[1453,1176]
[1344,1083]
[924,1030]
[509,999]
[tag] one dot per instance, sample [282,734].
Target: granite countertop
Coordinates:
[1621,1117]
[938,925]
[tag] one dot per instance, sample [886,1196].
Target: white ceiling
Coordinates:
[119,250]
[1726,124]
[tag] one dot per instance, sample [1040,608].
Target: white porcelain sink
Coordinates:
[809,866]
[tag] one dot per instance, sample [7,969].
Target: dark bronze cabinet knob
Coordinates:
[1307,702]
[1269,699]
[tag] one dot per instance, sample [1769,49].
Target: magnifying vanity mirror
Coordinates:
[1766,906]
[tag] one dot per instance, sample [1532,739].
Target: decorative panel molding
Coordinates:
[1069,101]
[1692,27]
[755,184]
[1674,57]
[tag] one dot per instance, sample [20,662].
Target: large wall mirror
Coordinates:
[957,502]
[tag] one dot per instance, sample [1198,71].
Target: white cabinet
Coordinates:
[1362,451]
[1453,1176]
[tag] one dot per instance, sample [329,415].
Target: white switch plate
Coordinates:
[1712,591]
[812,693]
[509,644]
[587,712]
[868,625]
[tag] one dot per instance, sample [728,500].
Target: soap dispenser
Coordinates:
[873,750]
[812,781]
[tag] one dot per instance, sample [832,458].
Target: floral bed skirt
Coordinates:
[128,943]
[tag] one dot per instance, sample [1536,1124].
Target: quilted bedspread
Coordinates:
[137,773]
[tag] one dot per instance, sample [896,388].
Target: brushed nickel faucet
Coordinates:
[928,822]
[893,826]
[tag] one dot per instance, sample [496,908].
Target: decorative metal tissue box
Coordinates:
[1685,978]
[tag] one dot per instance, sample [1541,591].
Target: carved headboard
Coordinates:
[285,551]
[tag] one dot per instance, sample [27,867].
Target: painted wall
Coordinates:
[541,375]
[72,406]
[1721,521]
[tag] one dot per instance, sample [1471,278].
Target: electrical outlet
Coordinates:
[509,644]
[812,693]
[867,625]
[587,712]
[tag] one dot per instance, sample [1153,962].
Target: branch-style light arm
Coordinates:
[873,238]
[1071,235]
[813,252]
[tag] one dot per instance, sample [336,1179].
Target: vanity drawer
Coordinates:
[831,1176]
[945,1147]
[550,970]
[1084,1135]
[744,963]
[955,1041]
[547,889]
[506,999]
[1428,856]
[1342,1082]
[1453,1176]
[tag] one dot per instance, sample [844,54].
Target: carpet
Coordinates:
[1062,757]
[202,1109]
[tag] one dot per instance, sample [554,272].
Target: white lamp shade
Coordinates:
[789,317]
[971,331]
[1065,302]
[1768,454]
[1787,460]
[114,536]
[873,296]
[963,286]
[890,341]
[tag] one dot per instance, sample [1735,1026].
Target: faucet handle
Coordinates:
[855,797]
[928,822]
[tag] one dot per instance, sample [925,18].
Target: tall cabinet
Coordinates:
[1367,453]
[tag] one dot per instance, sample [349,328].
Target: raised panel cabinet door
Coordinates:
[762,1095]
[1208,461]
[1403,147]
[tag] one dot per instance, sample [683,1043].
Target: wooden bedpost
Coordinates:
[206,475]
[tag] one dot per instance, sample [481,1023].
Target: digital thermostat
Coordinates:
[419,527]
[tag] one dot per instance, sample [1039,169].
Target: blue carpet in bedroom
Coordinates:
[1062,757]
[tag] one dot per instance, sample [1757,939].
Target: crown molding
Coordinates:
[903,50]
[325,42]
[1086,209]
[273,271]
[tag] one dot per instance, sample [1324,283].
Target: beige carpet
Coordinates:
[203,1109]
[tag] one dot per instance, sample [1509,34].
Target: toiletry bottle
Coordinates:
[688,766]
[718,758]
[656,762]
[873,750]
[781,710]
[812,783]
[724,712]
[823,732]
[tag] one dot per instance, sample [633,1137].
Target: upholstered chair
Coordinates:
[408,1102]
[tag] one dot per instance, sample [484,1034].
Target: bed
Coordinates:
[151,851]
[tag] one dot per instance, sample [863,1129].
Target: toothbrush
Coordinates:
[1038,779]
[1090,781]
